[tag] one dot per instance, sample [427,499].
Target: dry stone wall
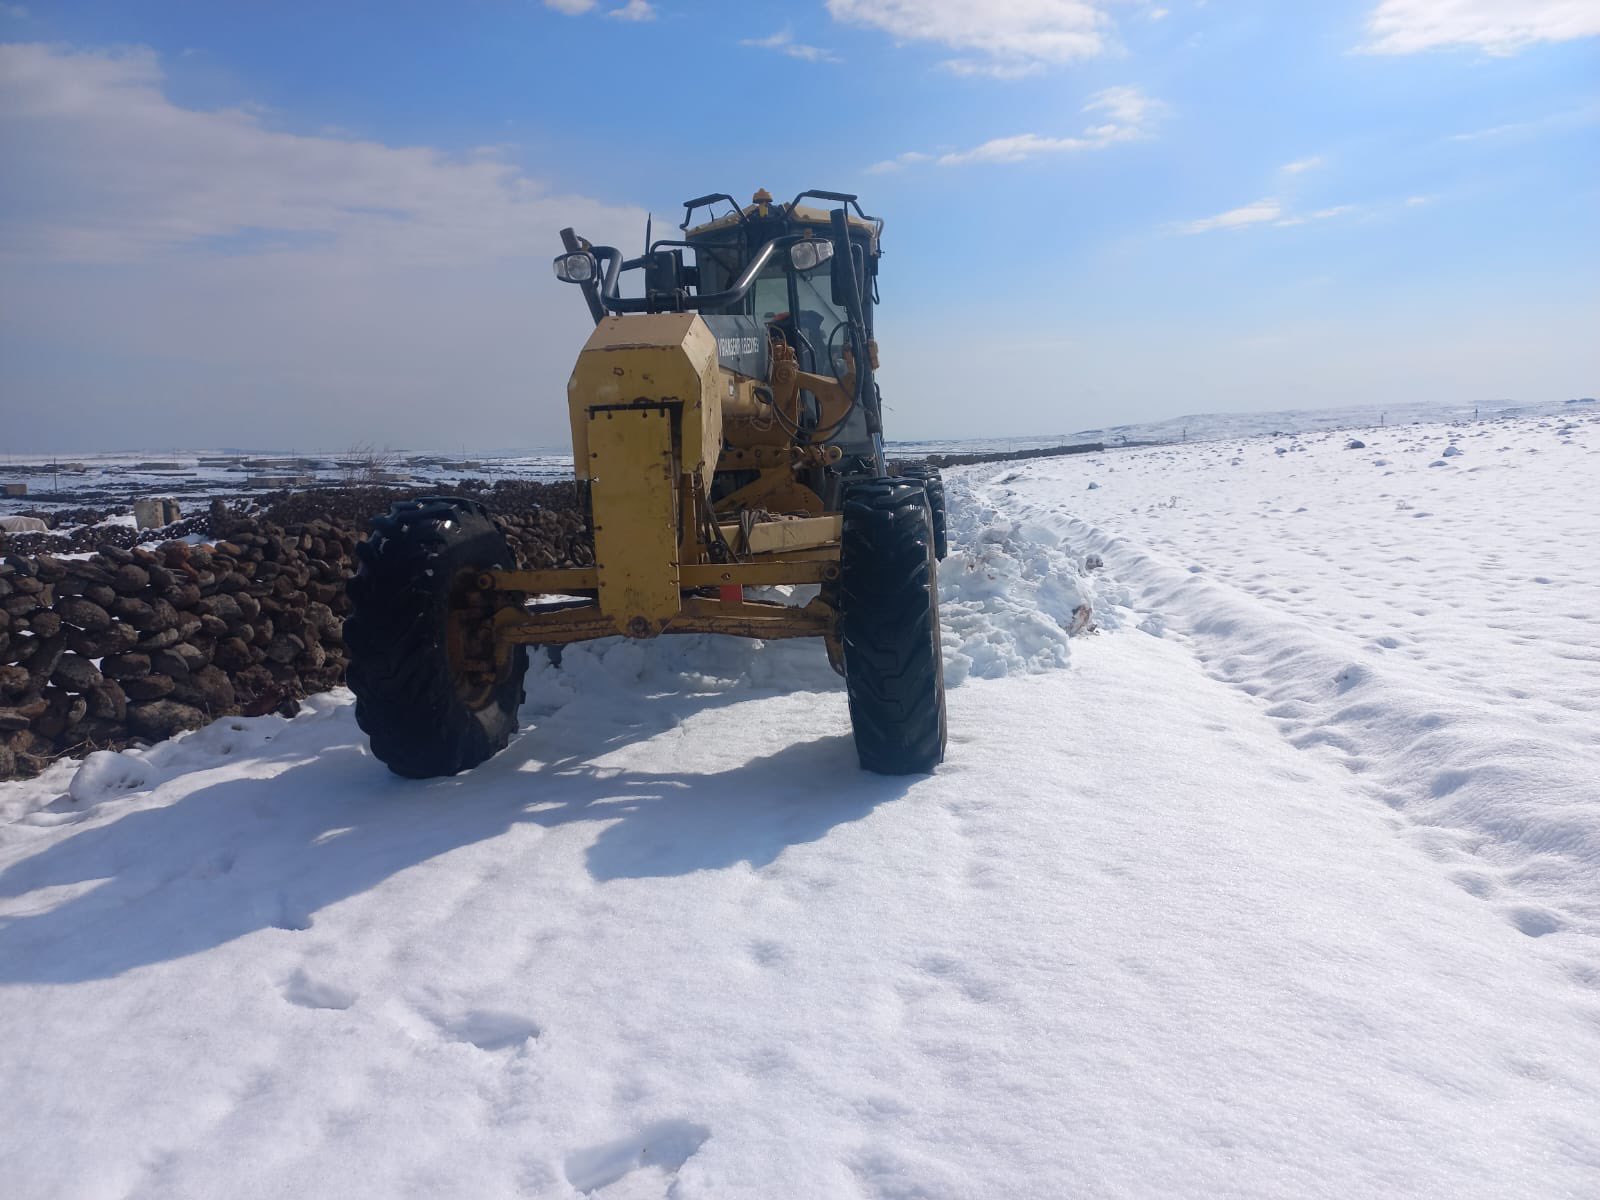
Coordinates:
[137,642]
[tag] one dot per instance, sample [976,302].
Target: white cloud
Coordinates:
[783,42]
[1555,122]
[992,68]
[572,8]
[1263,212]
[1260,213]
[1013,149]
[1131,113]
[1301,165]
[217,280]
[105,168]
[1001,38]
[1321,214]
[634,10]
[1128,106]
[1497,27]
[909,158]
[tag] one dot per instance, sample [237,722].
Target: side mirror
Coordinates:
[577,267]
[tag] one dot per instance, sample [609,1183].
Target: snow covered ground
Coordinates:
[1285,882]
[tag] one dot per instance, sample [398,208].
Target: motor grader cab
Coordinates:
[727,430]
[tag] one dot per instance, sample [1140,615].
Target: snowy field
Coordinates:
[1285,882]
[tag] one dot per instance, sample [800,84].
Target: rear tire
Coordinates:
[423,717]
[933,483]
[889,627]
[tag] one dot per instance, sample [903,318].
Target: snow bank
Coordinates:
[1012,592]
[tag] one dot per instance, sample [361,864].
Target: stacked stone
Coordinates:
[135,644]
[967,460]
[139,644]
[93,537]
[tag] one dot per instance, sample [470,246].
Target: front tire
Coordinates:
[425,717]
[889,627]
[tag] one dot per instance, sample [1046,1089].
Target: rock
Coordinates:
[45,623]
[160,641]
[74,673]
[14,680]
[285,648]
[233,654]
[149,687]
[177,660]
[1355,444]
[50,568]
[221,605]
[130,578]
[136,612]
[84,613]
[76,709]
[252,681]
[274,699]
[108,702]
[46,653]
[162,617]
[320,619]
[1452,451]
[13,719]
[157,719]
[208,689]
[125,666]
[113,640]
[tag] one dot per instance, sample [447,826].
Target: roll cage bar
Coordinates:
[680,300]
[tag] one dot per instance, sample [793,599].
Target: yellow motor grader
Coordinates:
[727,429]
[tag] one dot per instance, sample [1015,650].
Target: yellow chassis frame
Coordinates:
[790,552]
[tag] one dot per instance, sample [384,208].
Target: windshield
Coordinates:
[817,322]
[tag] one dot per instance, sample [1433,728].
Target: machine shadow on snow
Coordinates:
[245,855]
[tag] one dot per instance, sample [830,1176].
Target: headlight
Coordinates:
[575,268]
[809,253]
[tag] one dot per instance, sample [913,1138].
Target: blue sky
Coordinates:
[311,225]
